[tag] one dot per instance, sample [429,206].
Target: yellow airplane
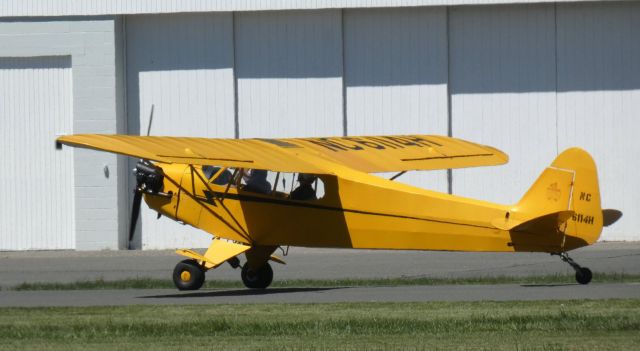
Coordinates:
[236,190]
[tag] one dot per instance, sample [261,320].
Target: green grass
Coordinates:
[544,325]
[149,283]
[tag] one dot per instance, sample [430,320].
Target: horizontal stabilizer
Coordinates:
[548,223]
[610,216]
[544,224]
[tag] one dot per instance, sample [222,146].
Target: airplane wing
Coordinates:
[369,154]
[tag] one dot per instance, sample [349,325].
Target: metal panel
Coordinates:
[36,180]
[102,7]
[599,99]
[396,76]
[183,65]
[289,68]
[502,76]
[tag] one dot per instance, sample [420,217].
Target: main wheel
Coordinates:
[188,275]
[583,275]
[257,279]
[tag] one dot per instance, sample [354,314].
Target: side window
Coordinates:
[308,187]
[294,186]
[256,181]
[285,184]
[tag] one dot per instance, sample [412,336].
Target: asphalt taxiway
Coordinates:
[501,292]
[303,263]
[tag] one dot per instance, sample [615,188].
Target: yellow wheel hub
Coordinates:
[185,276]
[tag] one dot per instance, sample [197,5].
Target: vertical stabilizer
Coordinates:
[564,200]
[586,222]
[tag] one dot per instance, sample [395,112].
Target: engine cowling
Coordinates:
[149,177]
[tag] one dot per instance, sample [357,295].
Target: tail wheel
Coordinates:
[583,275]
[259,278]
[188,275]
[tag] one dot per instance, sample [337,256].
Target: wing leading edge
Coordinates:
[369,154]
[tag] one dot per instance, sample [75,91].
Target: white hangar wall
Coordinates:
[535,80]
[529,79]
[289,73]
[109,7]
[598,102]
[68,79]
[35,103]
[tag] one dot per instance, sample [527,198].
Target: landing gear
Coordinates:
[257,278]
[583,274]
[188,275]
[256,272]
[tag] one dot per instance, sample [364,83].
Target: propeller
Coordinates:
[149,180]
[143,169]
[135,212]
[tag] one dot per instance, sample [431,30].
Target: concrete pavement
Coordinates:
[306,263]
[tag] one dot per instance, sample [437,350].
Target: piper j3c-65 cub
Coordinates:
[255,195]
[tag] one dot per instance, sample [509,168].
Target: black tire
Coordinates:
[583,275]
[188,275]
[258,279]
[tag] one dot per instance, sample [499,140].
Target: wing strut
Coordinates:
[397,175]
[226,191]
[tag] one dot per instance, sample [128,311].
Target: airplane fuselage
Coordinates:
[358,210]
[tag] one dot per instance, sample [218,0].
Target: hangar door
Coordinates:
[36,180]
[182,65]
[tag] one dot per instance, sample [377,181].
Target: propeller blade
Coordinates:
[135,212]
[150,121]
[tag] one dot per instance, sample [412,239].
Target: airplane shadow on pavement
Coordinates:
[239,292]
[547,285]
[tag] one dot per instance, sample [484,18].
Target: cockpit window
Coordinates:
[294,186]
[210,171]
[215,176]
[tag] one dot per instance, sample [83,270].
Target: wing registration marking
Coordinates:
[372,143]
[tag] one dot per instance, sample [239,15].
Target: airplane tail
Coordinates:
[563,205]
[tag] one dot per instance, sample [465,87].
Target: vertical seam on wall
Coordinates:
[125,107]
[449,114]
[555,43]
[344,85]
[125,80]
[236,117]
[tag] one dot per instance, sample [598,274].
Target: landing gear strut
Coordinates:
[583,274]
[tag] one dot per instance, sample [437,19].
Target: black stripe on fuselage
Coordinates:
[293,203]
